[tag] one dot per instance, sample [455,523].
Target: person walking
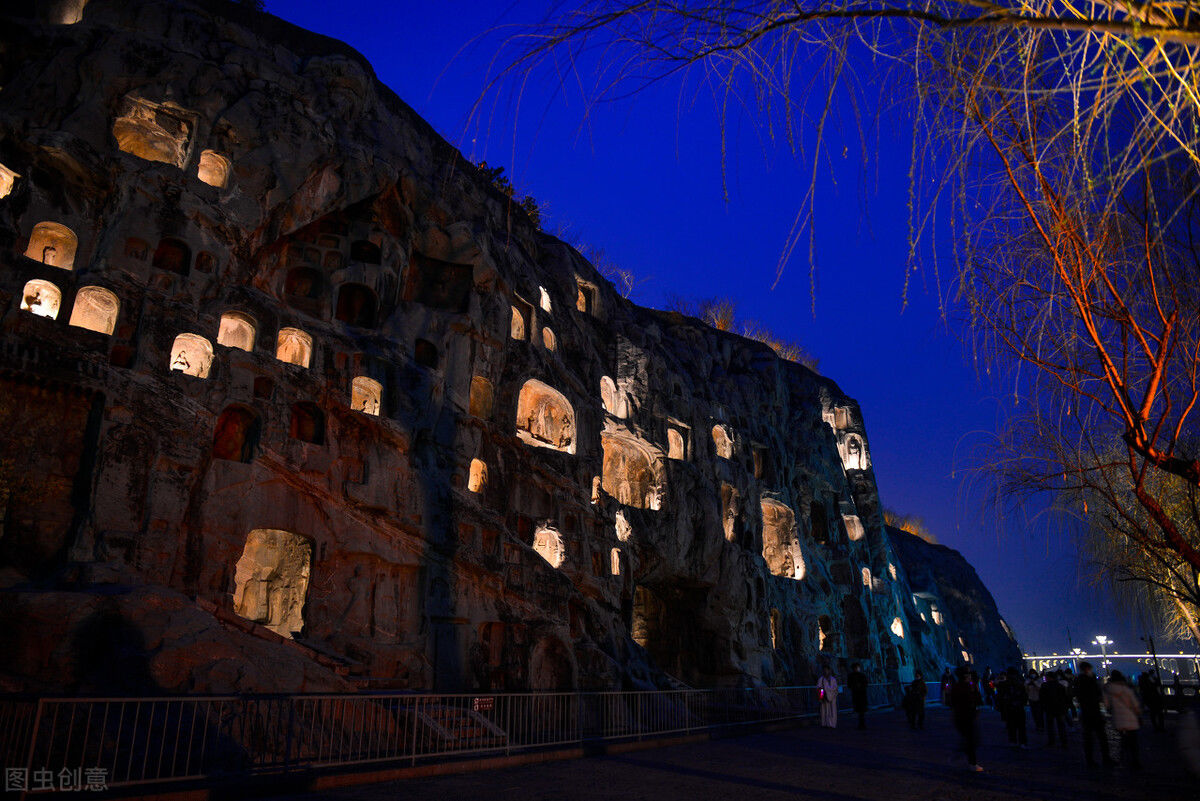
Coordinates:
[1091,717]
[1012,700]
[964,706]
[1054,707]
[917,692]
[947,683]
[858,693]
[827,689]
[1126,717]
[1067,679]
[1033,688]
[998,682]
[989,687]
[1152,698]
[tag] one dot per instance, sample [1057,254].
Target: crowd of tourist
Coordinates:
[1059,701]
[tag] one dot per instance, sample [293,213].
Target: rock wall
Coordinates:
[305,403]
[951,614]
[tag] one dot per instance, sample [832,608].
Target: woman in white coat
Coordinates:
[1126,714]
[827,689]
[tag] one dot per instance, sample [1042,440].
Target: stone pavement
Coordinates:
[887,762]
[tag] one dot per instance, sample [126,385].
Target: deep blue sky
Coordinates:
[643,182]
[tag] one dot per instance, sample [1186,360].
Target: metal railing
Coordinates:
[138,741]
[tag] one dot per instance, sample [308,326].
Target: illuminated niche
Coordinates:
[366,395]
[676,445]
[293,346]
[781,546]
[549,545]
[237,330]
[8,180]
[545,418]
[53,244]
[96,309]
[192,355]
[477,479]
[153,132]
[41,298]
[611,398]
[824,633]
[271,580]
[722,443]
[213,169]
[631,473]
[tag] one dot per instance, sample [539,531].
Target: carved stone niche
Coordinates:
[191,354]
[95,309]
[854,527]
[613,399]
[549,545]
[632,472]
[154,131]
[271,580]
[8,179]
[41,298]
[53,244]
[522,319]
[237,330]
[676,444]
[366,395]
[545,418]
[213,169]
[585,298]
[781,545]
[722,442]
[853,452]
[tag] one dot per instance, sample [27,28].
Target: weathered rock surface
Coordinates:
[951,614]
[297,400]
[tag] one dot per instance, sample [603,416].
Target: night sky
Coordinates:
[641,180]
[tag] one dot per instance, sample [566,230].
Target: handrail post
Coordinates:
[412,744]
[640,727]
[291,722]
[579,717]
[510,700]
[37,722]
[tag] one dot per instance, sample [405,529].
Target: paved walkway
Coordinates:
[885,763]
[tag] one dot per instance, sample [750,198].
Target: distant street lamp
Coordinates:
[1103,642]
[1075,653]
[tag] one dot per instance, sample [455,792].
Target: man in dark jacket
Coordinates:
[964,704]
[919,691]
[858,693]
[1012,697]
[1091,718]
[1054,707]
[1151,693]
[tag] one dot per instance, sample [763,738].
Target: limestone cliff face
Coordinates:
[299,401]
[952,615]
